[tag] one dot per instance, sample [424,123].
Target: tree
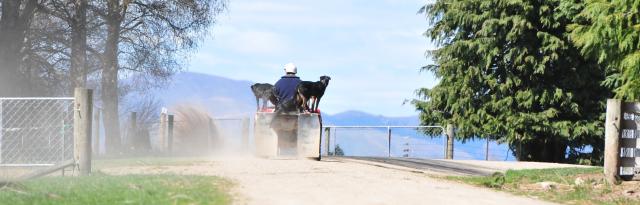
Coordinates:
[113,17]
[78,24]
[56,45]
[338,150]
[147,39]
[507,70]
[46,55]
[66,27]
[15,19]
[609,31]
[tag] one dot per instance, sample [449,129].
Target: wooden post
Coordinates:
[170,134]
[83,105]
[327,140]
[612,140]
[133,132]
[210,134]
[245,134]
[163,131]
[450,139]
[96,132]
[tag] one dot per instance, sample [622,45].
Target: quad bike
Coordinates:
[292,134]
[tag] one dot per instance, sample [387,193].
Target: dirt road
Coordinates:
[266,182]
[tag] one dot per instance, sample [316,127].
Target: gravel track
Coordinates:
[332,181]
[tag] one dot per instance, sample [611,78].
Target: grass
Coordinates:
[525,182]
[146,161]
[129,189]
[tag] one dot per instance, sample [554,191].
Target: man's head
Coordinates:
[290,68]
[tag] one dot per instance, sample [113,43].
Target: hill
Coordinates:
[228,98]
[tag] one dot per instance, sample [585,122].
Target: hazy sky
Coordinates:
[372,49]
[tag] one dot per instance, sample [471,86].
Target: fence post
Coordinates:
[612,139]
[245,134]
[83,106]
[96,132]
[389,138]
[1,130]
[486,152]
[163,130]
[170,134]
[133,131]
[327,135]
[450,139]
[209,135]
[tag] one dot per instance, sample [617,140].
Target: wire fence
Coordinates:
[233,134]
[384,141]
[34,132]
[482,149]
[195,136]
[409,142]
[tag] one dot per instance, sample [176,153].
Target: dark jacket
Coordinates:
[285,88]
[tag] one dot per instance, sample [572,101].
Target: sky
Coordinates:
[372,49]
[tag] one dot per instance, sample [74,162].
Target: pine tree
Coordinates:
[508,71]
[338,151]
[609,31]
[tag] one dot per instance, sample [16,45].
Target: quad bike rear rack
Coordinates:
[287,135]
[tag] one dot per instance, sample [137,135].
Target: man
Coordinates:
[285,123]
[285,89]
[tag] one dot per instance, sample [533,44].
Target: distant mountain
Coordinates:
[227,98]
[222,97]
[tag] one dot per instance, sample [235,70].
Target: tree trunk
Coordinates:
[110,79]
[14,22]
[79,45]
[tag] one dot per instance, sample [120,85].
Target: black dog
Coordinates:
[307,90]
[263,91]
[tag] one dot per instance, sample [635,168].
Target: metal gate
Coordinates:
[35,132]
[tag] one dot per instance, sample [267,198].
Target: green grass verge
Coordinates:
[524,182]
[130,189]
[146,161]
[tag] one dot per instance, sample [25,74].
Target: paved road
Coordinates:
[331,181]
[439,166]
[456,167]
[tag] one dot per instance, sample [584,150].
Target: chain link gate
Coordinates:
[34,132]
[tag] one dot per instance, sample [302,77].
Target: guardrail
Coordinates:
[327,134]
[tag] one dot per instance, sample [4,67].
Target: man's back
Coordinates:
[285,88]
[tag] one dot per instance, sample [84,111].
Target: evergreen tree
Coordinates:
[609,31]
[338,151]
[507,70]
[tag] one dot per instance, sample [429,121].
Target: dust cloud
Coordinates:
[198,132]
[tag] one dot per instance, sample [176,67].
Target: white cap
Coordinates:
[290,68]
